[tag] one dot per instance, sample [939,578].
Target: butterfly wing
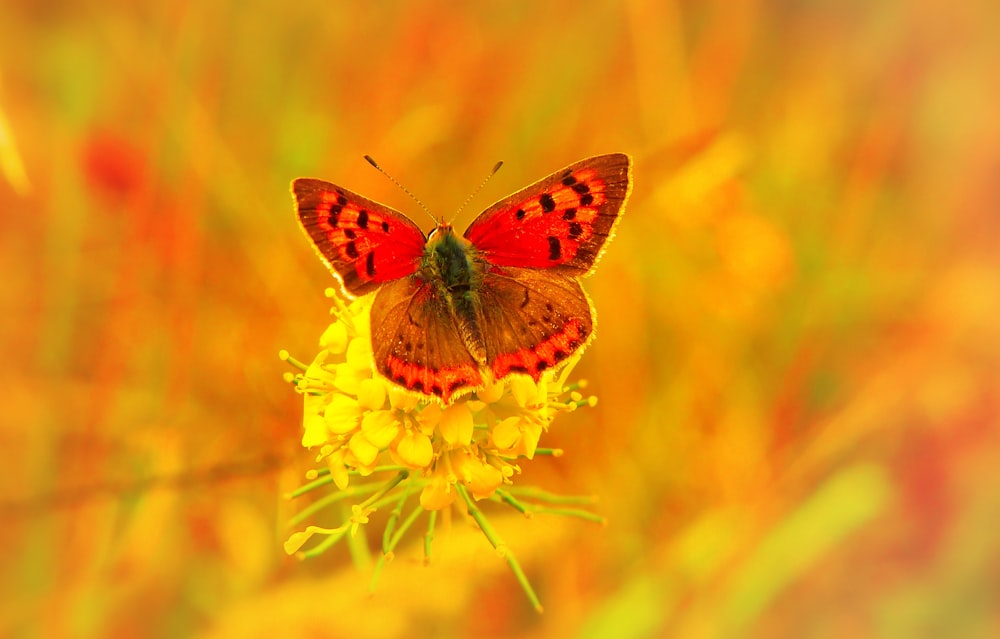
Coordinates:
[364,243]
[416,342]
[561,222]
[535,320]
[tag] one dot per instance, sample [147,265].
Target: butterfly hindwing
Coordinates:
[561,222]
[417,344]
[533,320]
[363,242]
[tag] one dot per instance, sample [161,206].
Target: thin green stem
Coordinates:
[313,485]
[292,361]
[391,546]
[572,512]
[329,500]
[496,542]
[390,525]
[536,494]
[548,451]
[389,485]
[429,535]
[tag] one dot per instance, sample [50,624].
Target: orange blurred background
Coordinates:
[797,358]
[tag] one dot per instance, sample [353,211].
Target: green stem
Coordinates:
[389,485]
[314,484]
[552,498]
[329,500]
[292,361]
[429,535]
[390,525]
[501,547]
[391,546]
[572,512]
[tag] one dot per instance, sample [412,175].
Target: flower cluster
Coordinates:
[365,428]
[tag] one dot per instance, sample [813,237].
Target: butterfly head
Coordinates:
[448,259]
[443,227]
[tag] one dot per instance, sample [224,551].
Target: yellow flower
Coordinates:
[360,424]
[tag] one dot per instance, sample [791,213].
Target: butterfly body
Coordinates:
[453,312]
[450,268]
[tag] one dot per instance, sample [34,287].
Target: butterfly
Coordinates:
[454,312]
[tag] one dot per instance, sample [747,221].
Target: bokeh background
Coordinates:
[797,359]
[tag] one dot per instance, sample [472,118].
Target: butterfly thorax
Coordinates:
[450,267]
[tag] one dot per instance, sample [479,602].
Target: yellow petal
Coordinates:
[342,414]
[318,370]
[347,378]
[429,417]
[456,425]
[338,471]
[437,494]
[334,338]
[491,393]
[524,390]
[380,427]
[530,433]
[371,394]
[359,354]
[363,450]
[507,433]
[400,399]
[415,450]
[314,430]
[481,478]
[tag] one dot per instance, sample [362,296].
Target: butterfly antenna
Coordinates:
[479,188]
[403,188]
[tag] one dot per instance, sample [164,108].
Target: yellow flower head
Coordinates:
[361,424]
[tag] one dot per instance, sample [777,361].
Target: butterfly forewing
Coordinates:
[561,222]
[416,342]
[363,242]
[534,320]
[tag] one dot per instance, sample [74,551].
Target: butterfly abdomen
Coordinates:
[449,265]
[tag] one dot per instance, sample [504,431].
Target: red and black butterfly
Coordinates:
[452,312]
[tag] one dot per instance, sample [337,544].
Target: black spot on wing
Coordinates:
[547,203]
[586,199]
[555,248]
[575,230]
[370,264]
[351,250]
[520,214]
[569,214]
[363,219]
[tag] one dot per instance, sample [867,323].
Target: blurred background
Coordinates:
[797,354]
